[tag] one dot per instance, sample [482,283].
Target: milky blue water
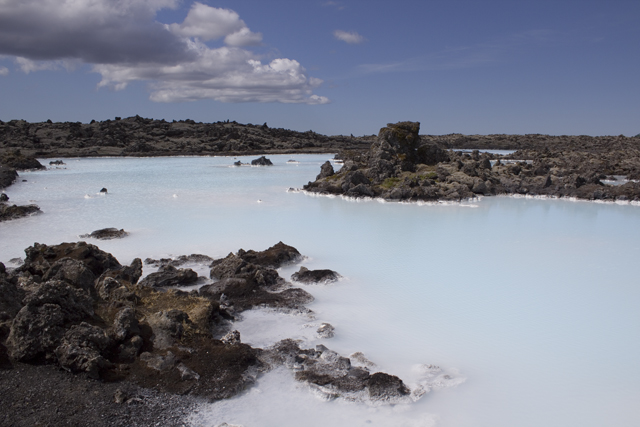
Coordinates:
[531,306]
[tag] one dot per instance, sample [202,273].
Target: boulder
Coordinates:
[326,330]
[125,324]
[106,234]
[36,331]
[73,272]
[304,275]
[261,161]
[386,388]
[40,324]
[40,257]
[81,350]
[276,256]
[9,212]
[168,275]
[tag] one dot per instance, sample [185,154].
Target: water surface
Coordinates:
[533,303]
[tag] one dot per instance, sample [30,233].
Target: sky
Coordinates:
[335,67]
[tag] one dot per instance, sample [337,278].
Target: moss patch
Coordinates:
[389,183]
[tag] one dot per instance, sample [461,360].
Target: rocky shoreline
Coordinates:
[137,136]
[141,351]
[403,166]
[399,164]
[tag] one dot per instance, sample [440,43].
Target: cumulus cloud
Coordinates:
[4,71]
[123,43]
[350,37]
[210,23]
[226,74]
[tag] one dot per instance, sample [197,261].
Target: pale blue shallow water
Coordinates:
[533,303]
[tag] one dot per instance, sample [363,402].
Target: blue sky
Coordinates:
[335,67]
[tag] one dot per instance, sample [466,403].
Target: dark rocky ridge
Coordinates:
[137,136]
[401,165]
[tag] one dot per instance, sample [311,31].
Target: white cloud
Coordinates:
[28,66]
[225,74]
[123,42]
[244,37]
[210,23]
[350,37]
[4,71]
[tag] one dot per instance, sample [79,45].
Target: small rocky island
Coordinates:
[74,307]
[402,166]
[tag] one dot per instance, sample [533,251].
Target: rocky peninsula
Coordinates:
[135,343]
[403,166]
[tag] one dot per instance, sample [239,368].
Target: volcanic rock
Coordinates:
[106,234]
[168,275]
[304,275]
[261,161]
[9,212]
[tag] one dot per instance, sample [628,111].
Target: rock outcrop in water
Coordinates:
[75,306]
[401,165]
[106,234]
[261,161]
[304,275]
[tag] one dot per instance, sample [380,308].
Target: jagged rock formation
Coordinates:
[261,161]
[403,166]
[137,136]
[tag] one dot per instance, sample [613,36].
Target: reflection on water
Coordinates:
[534,302]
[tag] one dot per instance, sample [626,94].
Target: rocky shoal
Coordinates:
[75,308]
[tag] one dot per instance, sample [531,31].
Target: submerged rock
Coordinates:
[331,375]
[304,275]
[106,234]
[326,330]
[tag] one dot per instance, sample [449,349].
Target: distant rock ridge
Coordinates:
[403,166]
[137,136]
